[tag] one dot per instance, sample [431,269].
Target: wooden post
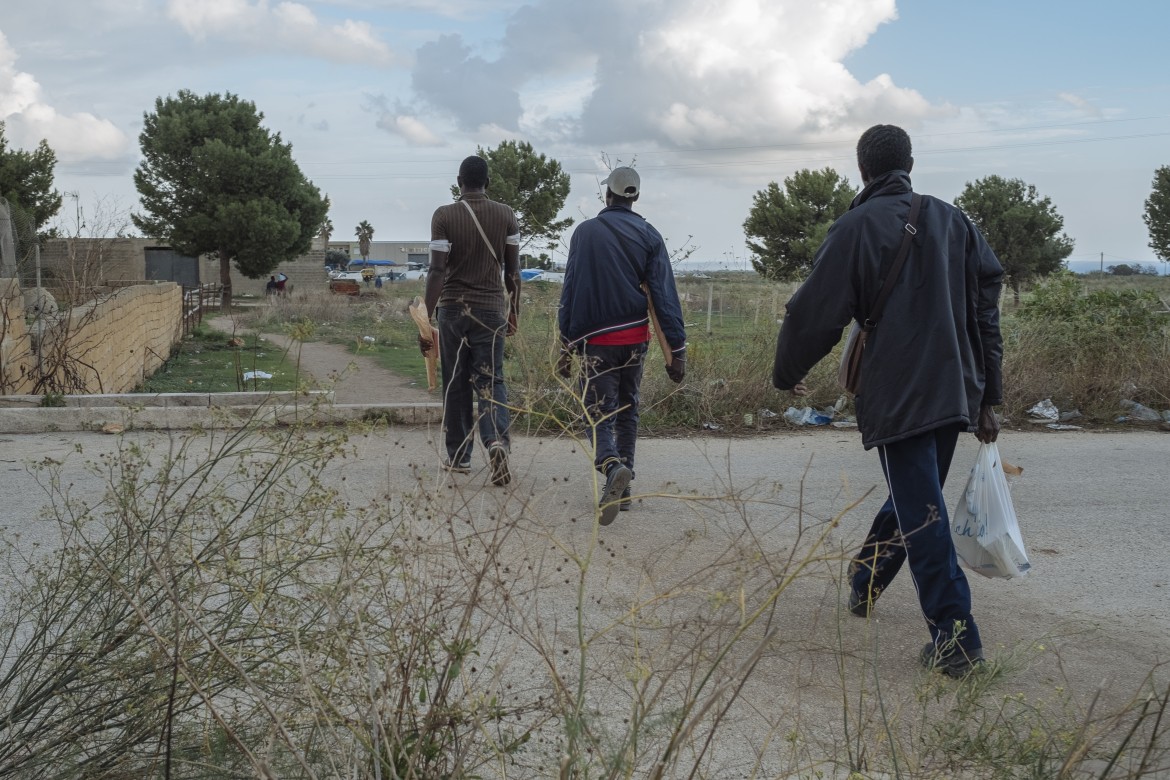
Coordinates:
[710,304]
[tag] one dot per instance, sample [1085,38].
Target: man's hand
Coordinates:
[513,323]
[425,345]
[677,368]
[565,363]
[800,391]
[988,429]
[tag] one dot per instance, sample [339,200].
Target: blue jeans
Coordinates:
[613,375]
[471,350]
[913,525]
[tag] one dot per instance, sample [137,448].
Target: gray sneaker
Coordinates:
[617,479]
[456,468]
[498,460]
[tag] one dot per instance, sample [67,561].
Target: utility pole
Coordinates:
[1102,262]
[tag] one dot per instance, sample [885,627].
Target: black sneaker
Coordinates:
[498,459]
[624,504]
[617,479]
[861,607]
[955,662]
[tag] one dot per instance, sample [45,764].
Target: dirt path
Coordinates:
[355,379]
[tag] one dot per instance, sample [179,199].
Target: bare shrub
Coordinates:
[229,603]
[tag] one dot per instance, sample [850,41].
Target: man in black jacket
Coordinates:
[618,265]
[931,369]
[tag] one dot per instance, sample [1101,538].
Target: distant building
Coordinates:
[413,254]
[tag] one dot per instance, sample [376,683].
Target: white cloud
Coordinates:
[283,26]
[1079,103]
[28,119]
[452,9]
[410,128]
[18,90]
[681,73]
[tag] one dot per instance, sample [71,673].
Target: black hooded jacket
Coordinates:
[936,354]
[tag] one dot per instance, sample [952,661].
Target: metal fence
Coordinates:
[196,300]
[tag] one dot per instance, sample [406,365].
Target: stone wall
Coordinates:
[105,346]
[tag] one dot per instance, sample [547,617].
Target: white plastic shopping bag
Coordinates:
[983,526]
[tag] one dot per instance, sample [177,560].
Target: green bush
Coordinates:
[1086,349]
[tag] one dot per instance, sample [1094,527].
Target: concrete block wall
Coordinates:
[95,261]
[307,273]
[113,344]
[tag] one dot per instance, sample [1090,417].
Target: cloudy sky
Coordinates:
[709,99]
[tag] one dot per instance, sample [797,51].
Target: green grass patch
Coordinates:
[213,362]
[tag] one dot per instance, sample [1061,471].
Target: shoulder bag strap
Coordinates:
[479,227]
[910,230]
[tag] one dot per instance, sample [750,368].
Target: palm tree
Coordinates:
[364,232]
[325,232]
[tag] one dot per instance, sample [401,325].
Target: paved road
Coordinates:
[1093,508]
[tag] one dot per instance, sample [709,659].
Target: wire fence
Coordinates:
[19,248]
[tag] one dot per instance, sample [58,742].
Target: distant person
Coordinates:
[931,369]
[270,288]
[281,281]
[473,289]
[617,268]
[378,282]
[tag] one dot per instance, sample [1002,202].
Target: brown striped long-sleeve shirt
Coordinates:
[472,276]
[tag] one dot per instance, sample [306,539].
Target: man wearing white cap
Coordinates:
[618,269]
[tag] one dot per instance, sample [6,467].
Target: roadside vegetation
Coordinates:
[1089,344]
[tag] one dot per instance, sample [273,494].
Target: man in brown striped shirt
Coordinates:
[473,288]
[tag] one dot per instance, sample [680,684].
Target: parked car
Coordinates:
[537,275]
[359,270]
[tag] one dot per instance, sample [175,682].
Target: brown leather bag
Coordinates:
[849,374]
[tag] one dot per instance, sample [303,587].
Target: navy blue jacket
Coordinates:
[604,276]
[936,354]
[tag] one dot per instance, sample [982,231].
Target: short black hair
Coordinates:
[474,172]
[620,200]
[884,148]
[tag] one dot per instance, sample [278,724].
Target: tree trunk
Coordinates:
[1016,291]
[225,281]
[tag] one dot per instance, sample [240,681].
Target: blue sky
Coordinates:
[710,100]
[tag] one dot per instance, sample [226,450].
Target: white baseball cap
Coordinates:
[624,182]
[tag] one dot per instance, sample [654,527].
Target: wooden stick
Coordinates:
[667,353]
